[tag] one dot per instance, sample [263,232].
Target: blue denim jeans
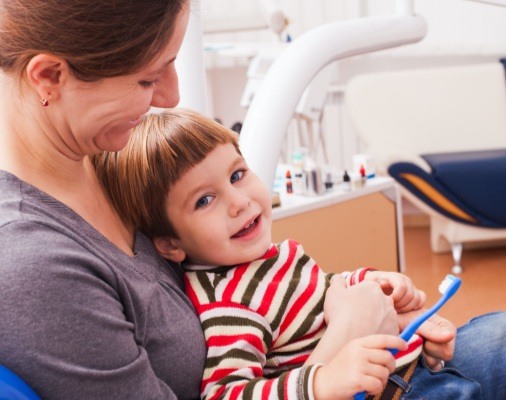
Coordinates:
[477,370]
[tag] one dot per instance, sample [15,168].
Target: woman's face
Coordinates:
[99,116]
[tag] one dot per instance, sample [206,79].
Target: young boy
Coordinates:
[182,181]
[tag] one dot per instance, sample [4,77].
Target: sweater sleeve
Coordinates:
[237,340]
[357,276]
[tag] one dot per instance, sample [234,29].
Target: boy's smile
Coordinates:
[250,230]
[220,210]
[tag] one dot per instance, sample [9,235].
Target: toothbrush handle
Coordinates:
[415,324]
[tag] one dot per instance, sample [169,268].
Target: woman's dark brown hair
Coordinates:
[98,38]
[162,147]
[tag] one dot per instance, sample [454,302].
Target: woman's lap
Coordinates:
[478,369]
[480,353]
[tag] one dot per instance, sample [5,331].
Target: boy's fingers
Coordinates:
[384,342]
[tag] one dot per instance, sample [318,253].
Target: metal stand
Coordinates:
[457,255]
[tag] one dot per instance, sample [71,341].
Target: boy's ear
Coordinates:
[168,248]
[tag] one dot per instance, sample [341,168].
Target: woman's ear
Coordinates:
[168,248]
[46,73]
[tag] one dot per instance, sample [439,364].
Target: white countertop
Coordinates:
[292,204]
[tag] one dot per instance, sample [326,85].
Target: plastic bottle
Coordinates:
[363,176]
[346,182]
[298,171]
[289,186]
[313,184]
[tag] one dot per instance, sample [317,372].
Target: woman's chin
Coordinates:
[113,141]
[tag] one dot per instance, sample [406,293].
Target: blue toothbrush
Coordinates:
[448,287]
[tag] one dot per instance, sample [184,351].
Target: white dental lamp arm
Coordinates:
[272,108]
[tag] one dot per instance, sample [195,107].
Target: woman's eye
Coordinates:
[148,84]
[237,176]
[203,201]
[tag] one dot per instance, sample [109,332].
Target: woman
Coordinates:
[88,310]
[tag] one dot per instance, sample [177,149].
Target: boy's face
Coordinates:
[220,210]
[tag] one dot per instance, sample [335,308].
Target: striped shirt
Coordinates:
[261,320]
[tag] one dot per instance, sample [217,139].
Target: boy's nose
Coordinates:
[238,202]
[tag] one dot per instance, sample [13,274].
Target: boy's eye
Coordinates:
[203,201]
[237,176]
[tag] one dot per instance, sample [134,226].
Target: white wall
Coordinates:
[459,32]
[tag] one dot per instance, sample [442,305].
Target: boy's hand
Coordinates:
[400,288]
[439,335]
[363,309]
[362,365]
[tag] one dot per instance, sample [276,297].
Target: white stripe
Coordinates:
[219,351]
[307,307]
[293,377]
[221,312]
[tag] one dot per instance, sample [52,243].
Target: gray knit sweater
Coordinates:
[79,319]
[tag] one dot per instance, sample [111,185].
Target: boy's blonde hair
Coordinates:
[162,147]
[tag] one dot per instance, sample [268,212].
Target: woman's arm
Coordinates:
[64,328]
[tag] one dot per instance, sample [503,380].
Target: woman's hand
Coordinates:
[363,365]
[439,335]
[400,288]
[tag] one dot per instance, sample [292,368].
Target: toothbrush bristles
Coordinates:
[445,284]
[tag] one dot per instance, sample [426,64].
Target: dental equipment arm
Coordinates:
[274,103]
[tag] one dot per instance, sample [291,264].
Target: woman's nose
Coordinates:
[166,93]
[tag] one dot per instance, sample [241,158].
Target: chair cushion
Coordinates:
[468,187]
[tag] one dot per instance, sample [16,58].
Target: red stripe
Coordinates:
[223,372]
[273,251]
[236,392]
[302,300]
[219,341]
[411,348]
[363,272]
[191,293]
[273,285]
[234,282]
[219,374]
[295,361]
[217,395]
[266,390]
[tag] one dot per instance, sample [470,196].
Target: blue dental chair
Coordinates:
[12,387]
[440,132]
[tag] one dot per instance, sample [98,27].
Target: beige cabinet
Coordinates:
[343,231]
